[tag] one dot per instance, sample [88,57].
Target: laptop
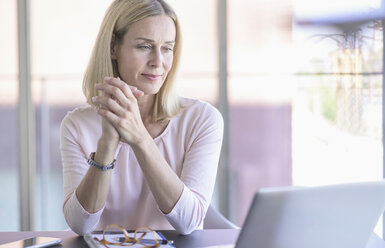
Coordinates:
[336,216]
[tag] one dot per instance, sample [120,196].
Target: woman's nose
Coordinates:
[156,59]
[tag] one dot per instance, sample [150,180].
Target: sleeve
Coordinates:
[198,172]
[74,169]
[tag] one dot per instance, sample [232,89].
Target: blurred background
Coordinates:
[302,103]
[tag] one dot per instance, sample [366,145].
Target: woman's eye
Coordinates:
[168,49]
[144,47]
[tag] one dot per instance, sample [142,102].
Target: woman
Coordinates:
[139,155]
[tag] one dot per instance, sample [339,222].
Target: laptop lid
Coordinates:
[328,216]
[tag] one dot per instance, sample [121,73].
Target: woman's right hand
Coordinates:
[108,141]
[110,135]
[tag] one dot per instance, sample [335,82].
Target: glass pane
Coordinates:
[259,91]
[342,109]
[305,102]
[9,180]
[337,107]
[61,43]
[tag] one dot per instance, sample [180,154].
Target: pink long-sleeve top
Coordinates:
[190,144]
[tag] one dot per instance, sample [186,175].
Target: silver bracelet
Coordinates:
[92,162]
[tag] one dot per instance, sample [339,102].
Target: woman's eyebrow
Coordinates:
[152,41]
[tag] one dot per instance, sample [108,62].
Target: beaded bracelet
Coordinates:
[92,162]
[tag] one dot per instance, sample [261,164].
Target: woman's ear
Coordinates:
[113,47]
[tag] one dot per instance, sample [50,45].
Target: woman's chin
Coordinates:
[149,90]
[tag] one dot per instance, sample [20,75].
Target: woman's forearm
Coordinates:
[93,189]
[165,185]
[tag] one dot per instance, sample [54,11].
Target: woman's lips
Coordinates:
[151,77]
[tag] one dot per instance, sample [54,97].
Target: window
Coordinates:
[260,90]
[305,102]
[9,205]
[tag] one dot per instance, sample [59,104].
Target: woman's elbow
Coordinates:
[188,228]
[185,230]
[81,231]
[78,228]
[76,223]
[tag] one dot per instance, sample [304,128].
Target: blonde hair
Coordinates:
[119,16]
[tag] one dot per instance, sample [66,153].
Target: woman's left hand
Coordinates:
[121,109]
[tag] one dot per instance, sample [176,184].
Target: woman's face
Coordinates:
[145,55]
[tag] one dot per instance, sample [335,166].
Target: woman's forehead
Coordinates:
[156,28]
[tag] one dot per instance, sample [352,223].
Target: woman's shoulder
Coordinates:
[197,119]
[81,116]
[190,105]
[199,110]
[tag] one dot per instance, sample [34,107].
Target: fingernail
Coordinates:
[107,78]
[140,92]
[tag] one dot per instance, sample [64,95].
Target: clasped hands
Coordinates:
[118,106]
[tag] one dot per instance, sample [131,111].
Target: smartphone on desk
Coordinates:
[35,242]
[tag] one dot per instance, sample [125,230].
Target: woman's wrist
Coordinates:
[142,142]
[105,151]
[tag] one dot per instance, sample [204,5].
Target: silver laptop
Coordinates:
[337,216]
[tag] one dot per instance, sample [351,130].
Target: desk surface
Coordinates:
[199,238]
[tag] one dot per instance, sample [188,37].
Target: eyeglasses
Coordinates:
[137,239]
